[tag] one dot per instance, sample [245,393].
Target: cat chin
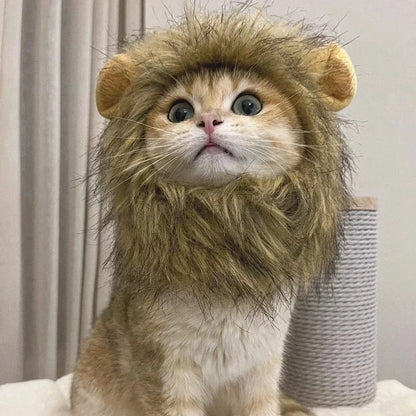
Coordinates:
[220,173]
[210,170]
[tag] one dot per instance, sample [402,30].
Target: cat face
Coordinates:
[215,125]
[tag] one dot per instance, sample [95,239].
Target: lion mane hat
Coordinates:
[251,238]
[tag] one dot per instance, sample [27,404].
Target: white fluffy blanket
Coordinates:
[51,398]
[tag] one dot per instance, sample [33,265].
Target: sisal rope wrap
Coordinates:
[330,353]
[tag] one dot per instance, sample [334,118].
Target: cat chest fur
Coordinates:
[223,343]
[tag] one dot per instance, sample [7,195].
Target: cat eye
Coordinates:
[180,111]
[247,105]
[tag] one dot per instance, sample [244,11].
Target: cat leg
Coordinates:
[182,390]
[86,403]
[256,394]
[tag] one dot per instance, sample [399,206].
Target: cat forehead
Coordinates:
[213,89]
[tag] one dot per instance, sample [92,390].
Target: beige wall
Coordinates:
[385,148]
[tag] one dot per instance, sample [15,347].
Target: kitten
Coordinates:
[225,183]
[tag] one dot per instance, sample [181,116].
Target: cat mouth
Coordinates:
[213,148]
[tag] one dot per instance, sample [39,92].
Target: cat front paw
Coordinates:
[290,407]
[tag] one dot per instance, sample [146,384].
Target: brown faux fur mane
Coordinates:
[251,238]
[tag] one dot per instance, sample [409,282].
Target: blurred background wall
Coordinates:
[52,284]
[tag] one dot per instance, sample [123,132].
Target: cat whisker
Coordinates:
[161,146]
[153,159]
[274,148]
[277,161]
[178,165]
[312,146]
[291,152]
[239,176]
[123,154]
[130,153]
[321,148]
[271,157]
[134,175]
[158,170]
[130,138]
[257,154]
[116,168]
[154,138]
[142,124]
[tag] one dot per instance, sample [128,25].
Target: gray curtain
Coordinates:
[52,283]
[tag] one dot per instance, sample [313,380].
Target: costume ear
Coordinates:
[332,69]
[116,76]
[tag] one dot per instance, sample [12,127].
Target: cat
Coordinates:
[223,185]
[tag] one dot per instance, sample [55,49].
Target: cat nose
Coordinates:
[209,121]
